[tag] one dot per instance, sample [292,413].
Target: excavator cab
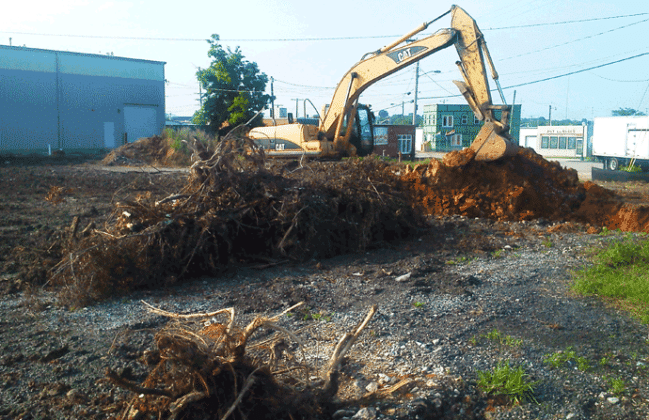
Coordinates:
[360,142]
[363,137]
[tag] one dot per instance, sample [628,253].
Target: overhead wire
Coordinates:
[557,76]
[573,41]
[343,38]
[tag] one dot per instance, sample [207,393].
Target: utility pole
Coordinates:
[550,116]
[297,100]
[414,112]
[272,99]
[200,91]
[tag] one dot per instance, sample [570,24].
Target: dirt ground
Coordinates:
[46,200]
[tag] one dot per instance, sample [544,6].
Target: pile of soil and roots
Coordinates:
[235,209]
[522,187]
[150,151]
[202,369]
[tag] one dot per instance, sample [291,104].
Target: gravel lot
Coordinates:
[447,301]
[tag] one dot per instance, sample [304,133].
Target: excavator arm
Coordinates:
[492,142]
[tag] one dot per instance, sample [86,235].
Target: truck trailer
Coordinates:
[620,141]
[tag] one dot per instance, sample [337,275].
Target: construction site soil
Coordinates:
[448,252]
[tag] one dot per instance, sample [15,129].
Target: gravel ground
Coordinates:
[439,297]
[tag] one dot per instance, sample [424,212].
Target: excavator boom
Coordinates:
[492,142]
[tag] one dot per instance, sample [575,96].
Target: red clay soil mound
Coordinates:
[522,187]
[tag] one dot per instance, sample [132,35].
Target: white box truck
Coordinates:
[618,141]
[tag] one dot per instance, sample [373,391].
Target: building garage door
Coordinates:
[139,121]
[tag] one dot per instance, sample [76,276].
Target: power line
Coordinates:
[532,25]
[305,86]
[620,81]
[578,71]
[344,38]
[572,41]
[554,77]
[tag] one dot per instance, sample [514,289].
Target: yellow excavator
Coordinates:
[346,128]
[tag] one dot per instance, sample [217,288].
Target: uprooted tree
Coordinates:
[234,88]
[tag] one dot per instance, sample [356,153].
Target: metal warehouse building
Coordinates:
[57,100]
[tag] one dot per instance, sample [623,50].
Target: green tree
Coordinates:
[625,112]
[234,88]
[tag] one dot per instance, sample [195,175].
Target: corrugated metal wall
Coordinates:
[72,102]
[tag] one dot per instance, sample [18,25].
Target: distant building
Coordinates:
[58,100]
[449,127]
[395,141]
[556,140]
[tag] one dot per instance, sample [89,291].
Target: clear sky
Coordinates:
[570,42]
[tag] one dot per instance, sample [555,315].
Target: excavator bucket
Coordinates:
[489,145]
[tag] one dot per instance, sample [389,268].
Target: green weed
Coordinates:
[561,358]
[508,381]
[505,340]
[458,260]
[307,314]
[582,364]
[617,386]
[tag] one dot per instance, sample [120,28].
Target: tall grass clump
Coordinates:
[620,272]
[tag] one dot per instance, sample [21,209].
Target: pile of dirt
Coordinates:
[154,151]
[237,209]
[522,187]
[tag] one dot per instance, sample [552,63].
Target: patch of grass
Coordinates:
[616,386]
[621,272]
[508,381]
[307,314]
[631,168]
[561,358]
[605,231]
[582,364]
[497,253]
[418,304]
[548,243]
[459,260]
[500,338]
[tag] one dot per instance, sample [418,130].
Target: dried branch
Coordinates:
[126,384]
[244,389]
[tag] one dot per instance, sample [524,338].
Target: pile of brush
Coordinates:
[203,369]
[237,207]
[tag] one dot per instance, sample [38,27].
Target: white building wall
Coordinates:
[71,101]
[555,141]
